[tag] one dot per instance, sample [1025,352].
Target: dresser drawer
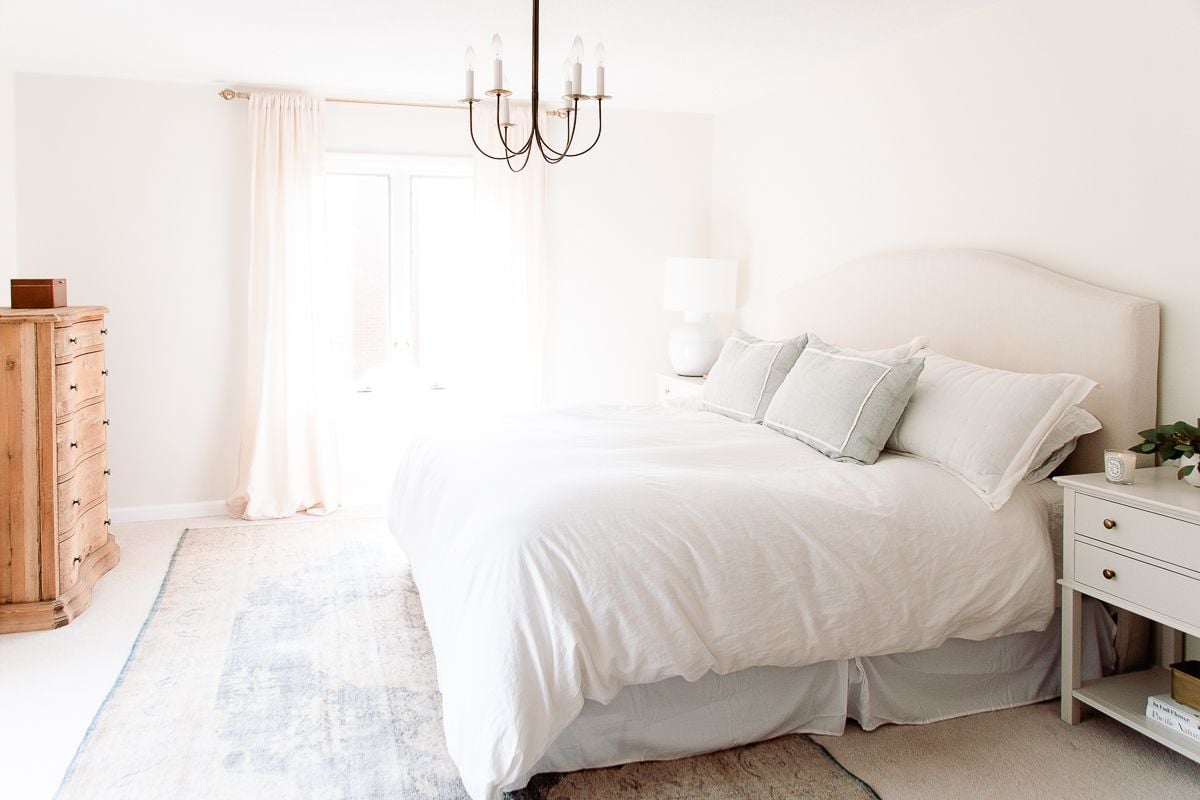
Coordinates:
[82,434]
[70,558]
[86,486]
[76,338]
[1164,538]
[78,382]
[1145,584]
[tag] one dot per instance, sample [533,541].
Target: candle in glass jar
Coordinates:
[1119,466]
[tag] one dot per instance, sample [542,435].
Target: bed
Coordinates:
[606,585]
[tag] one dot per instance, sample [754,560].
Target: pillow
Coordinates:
[842,402]
[1060,442]
[984,425]
[747,373]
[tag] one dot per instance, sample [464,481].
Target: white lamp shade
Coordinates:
[700,285]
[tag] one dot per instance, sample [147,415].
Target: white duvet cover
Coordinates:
[563,555]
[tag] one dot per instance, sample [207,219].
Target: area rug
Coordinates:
[291,661]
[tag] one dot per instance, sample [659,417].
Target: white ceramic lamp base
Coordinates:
[694,346]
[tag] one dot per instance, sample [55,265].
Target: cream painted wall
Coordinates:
[8,181]
[136,193]
[1066,132]
[643,194]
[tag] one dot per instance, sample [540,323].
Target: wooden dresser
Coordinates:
[54,539]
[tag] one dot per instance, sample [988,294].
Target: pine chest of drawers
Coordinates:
[54,539]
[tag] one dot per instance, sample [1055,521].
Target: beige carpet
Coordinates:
[1014,755]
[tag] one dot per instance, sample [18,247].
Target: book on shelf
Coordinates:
[1182,719]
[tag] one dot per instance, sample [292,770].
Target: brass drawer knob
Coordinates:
[105,422]
[77,559]
[75,502]
[103,372]
[74,444]
[1110,523]
[1108,574]
[73,340]
[74,387]
[104,331]
[108,522]
[108,472]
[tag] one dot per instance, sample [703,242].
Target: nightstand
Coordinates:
[1136,547]
[671,388]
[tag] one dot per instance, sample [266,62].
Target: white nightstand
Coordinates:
[1136,547]
[677,387]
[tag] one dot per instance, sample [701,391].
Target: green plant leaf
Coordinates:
[1185,471]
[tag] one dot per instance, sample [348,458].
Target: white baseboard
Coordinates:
[208,508]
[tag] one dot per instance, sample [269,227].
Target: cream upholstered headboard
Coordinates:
[1001,312]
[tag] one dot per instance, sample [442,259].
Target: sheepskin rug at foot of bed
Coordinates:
[291,661]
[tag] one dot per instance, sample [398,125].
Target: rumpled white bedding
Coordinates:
[563,555]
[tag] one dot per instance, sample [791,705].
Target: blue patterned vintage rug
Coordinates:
[291,661]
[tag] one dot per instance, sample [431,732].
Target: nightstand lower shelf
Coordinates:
[1123,697]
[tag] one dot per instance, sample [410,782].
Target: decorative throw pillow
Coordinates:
[1060,442]
[842,402]
[984,425]
[747,373]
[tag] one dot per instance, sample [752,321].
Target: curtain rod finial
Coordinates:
[228,94]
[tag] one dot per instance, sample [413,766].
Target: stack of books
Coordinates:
[1182,719]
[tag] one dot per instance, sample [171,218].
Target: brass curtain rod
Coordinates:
[230,94]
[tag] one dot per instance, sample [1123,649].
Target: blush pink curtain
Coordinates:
[289,459]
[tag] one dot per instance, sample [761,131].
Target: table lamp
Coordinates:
[698,287]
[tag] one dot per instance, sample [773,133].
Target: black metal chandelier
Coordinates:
[569,111]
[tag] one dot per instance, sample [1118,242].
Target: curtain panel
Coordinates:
[289,458]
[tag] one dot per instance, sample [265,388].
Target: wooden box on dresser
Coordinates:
[54,539]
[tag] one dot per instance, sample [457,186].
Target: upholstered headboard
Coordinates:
[1001,312]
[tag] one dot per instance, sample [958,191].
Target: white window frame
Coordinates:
[403,273]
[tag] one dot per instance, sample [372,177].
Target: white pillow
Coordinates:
[984,425]
[1060,442]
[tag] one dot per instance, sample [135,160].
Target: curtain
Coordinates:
[510,250]
[289,460]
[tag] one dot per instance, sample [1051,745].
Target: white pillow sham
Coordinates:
[1060,442]
[984,425]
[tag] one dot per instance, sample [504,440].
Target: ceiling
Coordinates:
[679,55]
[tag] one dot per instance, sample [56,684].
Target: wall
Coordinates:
[643,194]
[136,193]
[8,182]
[1063,132]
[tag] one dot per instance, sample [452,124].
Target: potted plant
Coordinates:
[1178,441]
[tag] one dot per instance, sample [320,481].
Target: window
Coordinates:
[400,260]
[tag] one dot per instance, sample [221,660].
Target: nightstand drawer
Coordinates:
[1155,535]
[1161,589]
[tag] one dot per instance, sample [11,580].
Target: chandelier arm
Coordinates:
[599,129]
[502,132]
[471,127]
[570,136]
[528,150]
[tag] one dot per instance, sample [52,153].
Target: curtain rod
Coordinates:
[230,94]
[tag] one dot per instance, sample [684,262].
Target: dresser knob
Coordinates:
[75,502]
[103,372]
[108,472]
[104,331]
[74,444]
[105,422]
[1108,574]
[72,340]
[1110,523]
[77,559]
[107,522]
[74,387]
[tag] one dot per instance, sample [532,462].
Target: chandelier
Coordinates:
[517,157]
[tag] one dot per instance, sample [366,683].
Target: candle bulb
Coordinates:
[470,59]
[497,63]
[600,54]
[577,66]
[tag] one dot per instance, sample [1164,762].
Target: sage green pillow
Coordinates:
[747,373]
[842,402]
